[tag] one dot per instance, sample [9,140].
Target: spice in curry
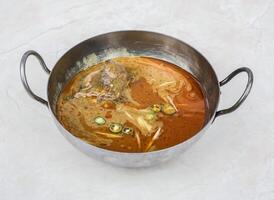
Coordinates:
[132,104]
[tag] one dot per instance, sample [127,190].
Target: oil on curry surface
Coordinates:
[132,104]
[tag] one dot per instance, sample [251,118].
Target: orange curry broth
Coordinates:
[77,114]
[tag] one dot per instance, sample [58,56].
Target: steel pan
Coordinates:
[134,43]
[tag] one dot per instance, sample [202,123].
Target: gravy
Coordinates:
[132,104]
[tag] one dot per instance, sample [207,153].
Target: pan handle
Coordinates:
[23,74]
[245,93]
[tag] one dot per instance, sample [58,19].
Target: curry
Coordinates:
[132,104]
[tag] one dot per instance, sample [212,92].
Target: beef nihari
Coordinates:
[132,104]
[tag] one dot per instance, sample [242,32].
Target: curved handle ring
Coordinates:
[23,74]
[245,93]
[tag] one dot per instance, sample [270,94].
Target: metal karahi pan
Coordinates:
[134,43]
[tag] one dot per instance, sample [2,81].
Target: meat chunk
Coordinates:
[109,83]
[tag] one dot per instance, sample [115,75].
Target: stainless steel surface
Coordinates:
[24,77]
[136,43]
[245,93]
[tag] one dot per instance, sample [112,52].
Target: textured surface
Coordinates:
[234,160]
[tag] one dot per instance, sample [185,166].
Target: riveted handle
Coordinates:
[23,74]
[245,93]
